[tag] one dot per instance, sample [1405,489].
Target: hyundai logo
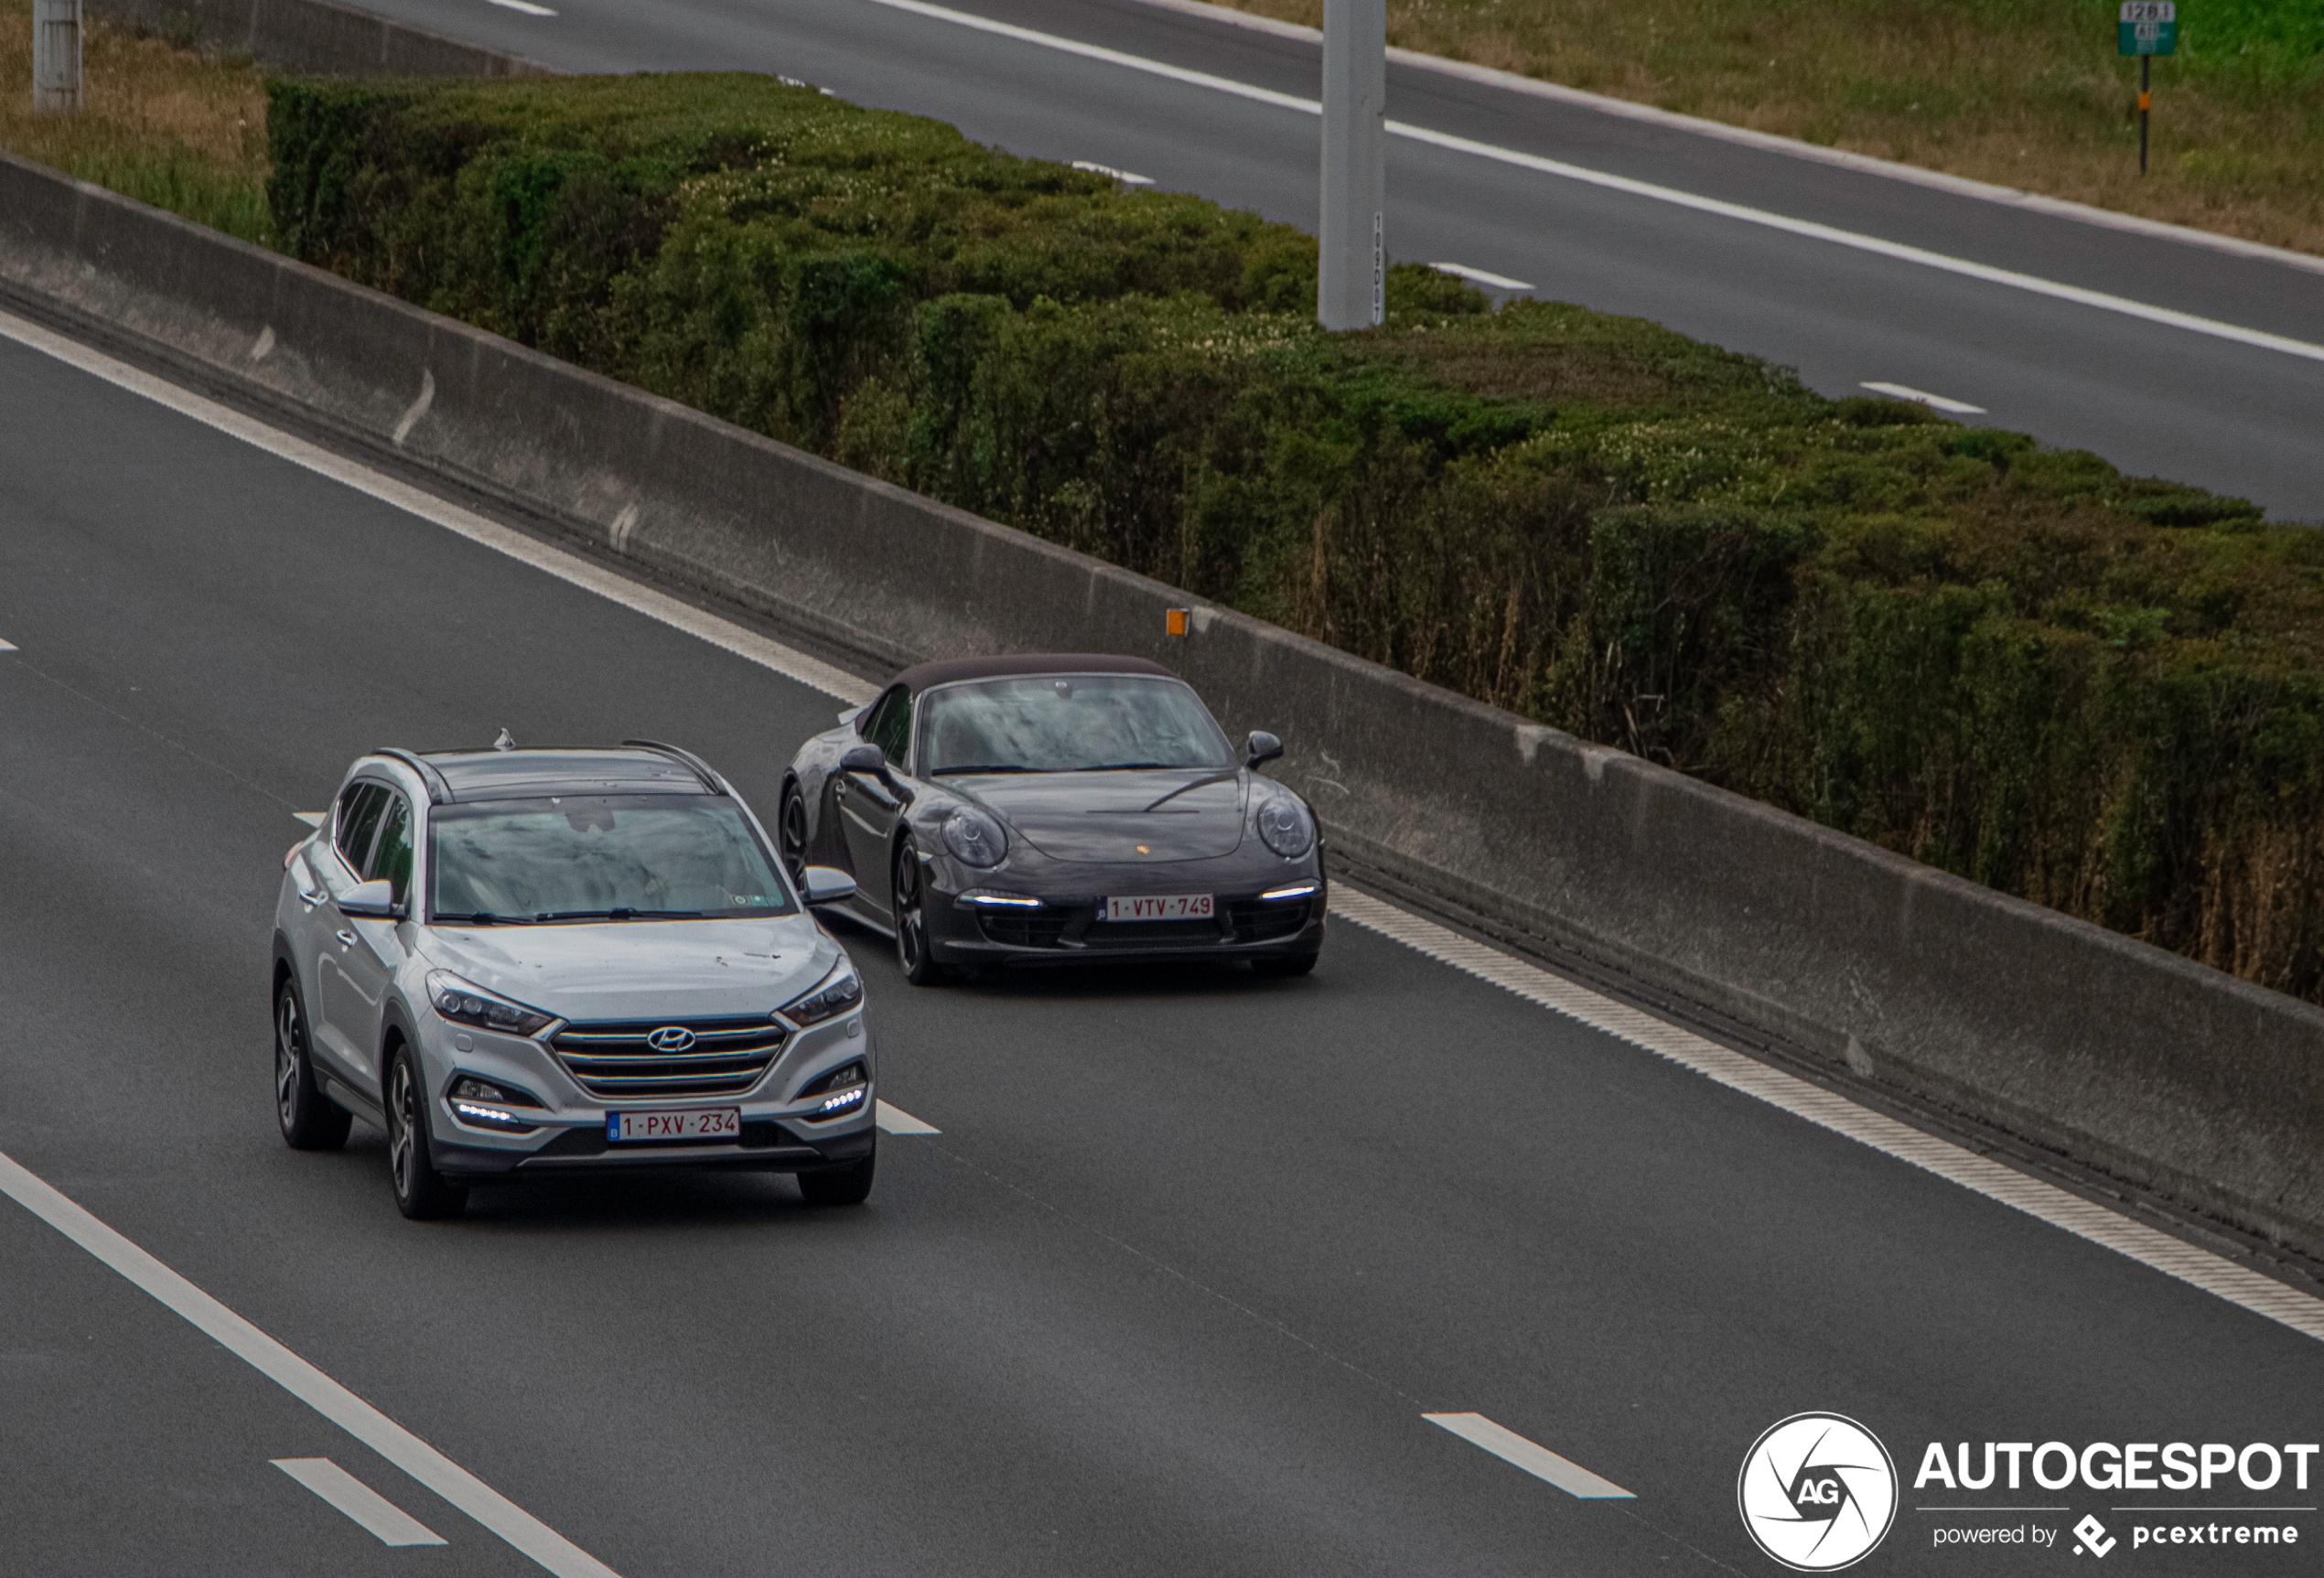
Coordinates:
[671,1038]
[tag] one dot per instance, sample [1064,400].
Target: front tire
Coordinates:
[421,1192]
[310,1120]
[909,909]
[793,834]
[847,1185]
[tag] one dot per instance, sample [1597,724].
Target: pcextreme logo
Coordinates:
[1818,1492]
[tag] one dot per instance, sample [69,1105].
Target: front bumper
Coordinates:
[779,1132]
[1067,929]
[767,1146]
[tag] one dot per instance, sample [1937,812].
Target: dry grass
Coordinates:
[181,130]
[2025,94]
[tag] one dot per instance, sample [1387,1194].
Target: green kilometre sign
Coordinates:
[2147,28]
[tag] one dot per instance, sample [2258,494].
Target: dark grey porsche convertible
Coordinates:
[1039,809]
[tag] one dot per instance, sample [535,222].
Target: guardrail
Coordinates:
[2173,1077]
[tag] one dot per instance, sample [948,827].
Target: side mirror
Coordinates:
[371,901]
[828,883]
[870,758]
[1262,747]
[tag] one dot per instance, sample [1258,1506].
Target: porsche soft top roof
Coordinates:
[946,670]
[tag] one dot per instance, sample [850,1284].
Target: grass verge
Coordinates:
[177,129]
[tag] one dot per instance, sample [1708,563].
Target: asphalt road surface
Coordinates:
[1169,1293]
[2155,400]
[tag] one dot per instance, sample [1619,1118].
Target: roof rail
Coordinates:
[438,791]
[700,769]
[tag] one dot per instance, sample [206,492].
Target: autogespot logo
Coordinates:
[1817,1492]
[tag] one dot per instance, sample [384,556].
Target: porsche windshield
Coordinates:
[1069,723]
[599,857]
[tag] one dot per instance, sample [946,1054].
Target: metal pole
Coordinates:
[2146,102]
[56,55]
[1352,276]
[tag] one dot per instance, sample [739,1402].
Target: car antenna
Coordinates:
[506,742]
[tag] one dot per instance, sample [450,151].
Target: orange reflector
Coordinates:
[2146,100]
[1174,620]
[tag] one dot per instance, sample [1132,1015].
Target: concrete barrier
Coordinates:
[2172,1076]
[314,36]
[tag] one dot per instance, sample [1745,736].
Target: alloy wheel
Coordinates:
[794,835]
[402,1120]
[286,1054]
[910,938]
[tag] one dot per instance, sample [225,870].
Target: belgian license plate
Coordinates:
[697,1123]
[1163,906]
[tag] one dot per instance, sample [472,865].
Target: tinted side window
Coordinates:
[391,858]
[891,727]
[358,818]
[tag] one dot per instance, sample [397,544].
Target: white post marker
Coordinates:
[56,56]
[1351,268]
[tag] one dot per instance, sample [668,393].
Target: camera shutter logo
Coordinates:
[1818,1492]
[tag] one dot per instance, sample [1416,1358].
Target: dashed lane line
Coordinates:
[2213,1273]
[326,1397]
[1480,276]
[1537,1460]
[385,1520]
[1922,397]
[895,1122]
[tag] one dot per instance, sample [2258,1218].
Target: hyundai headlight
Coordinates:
[976,837]
[1285,826]
[837,992]
[464,1003]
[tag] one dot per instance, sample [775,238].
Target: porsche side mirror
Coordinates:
[1262,747]
[828,883]
[870,758]
[371,901]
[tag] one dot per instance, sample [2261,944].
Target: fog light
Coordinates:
[489,1106]
[999,901]
[841,1091]
[1297,890]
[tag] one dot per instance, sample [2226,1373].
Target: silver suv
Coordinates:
[531,962]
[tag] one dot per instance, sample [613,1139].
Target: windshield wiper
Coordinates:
[1129,767]
[988,767]
[622,914]
[486,918]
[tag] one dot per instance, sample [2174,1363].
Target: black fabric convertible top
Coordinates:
[945,670]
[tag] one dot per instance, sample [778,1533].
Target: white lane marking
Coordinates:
[1538,1461]
[897,1122]
[1888,170]
[7,646]
[1124,177]
[1896,250]
[567,568]
[2213,1273]
[526,7]
[1938,401]
[311,818]
[1480,276]
[391,1523]
[302,1379]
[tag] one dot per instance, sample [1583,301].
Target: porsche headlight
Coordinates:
[1285,826]
[464,1003]
[976,837]
[833,995]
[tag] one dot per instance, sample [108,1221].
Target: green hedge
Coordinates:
[2097,691]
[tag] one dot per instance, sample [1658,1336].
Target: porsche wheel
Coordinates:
[793,834]
[907,911]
